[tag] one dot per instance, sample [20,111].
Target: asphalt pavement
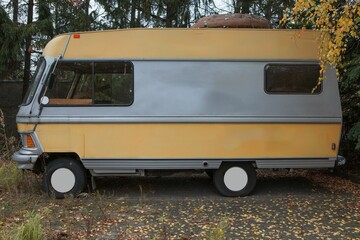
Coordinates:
[284,205]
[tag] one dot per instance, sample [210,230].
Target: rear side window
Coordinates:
[92,83]
[292,79]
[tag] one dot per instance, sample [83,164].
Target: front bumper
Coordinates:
[340,161]
[26,158]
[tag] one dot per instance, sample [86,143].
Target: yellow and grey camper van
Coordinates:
[223,101]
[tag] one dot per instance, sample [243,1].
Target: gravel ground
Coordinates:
[285,205]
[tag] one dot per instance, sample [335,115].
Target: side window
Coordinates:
[68,76]
[113,83]
[92,83]
[292,79]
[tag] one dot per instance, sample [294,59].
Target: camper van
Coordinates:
[223,101]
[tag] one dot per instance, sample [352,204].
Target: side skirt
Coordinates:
[124,167]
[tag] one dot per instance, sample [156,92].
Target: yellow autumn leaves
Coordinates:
[338,22]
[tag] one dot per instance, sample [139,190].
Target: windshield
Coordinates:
[35,82]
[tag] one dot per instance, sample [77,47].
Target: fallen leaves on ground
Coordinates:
[330,208]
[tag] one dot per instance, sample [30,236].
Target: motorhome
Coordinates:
[224,101]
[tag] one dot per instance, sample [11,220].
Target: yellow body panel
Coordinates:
[191,140]
[189,44]
[25,127]
[56,46]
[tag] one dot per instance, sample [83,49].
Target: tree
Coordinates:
[28,40]
[242,6]
[270,9]
[339,23]
[15,4]
[10,43]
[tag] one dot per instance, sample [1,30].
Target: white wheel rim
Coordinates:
[235,179]
[62,180]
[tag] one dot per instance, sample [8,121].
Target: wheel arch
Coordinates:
[45,158]
[250,161]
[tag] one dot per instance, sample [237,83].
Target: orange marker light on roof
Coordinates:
[76,35]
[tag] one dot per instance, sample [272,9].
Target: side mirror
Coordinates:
[44,100]
[52,80]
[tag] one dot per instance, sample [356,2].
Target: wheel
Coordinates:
[235,179]
[64,176]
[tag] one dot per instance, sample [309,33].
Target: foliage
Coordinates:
[10,42]
[31,229]
[350,97]
[339,23]
[10,177]
[354,135]
[272,10]
[218,232]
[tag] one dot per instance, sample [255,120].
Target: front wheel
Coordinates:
[64,176]
[235,179]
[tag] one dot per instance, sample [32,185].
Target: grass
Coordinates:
[11,178]
[218,232]
[31,229]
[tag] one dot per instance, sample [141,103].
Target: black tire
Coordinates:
[71,174]
[238,187]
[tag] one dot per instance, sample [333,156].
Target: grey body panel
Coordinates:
[199,91]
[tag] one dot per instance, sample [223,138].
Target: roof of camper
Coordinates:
[174,43]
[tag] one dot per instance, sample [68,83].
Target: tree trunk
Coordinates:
[138,19]
[87,12]
[170,14]
[56,19]
[133,14]
[268,12]
[237,6]
[245,6]
[27,66]
[15,10]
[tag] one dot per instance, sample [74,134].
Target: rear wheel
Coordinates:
[235,179]
[64,176]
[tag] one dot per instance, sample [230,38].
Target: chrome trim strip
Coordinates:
[198,60]
[295,163]
[66,45]
[174,119]
[116,165]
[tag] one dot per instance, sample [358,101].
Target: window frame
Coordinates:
[93,61]
[33,86]
[290,93]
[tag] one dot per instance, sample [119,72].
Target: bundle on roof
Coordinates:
[235,20]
